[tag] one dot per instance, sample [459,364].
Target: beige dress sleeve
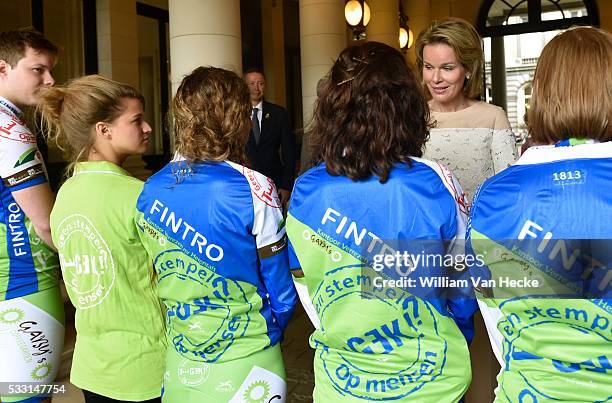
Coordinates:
[503,143]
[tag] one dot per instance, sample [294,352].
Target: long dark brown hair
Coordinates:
[370,113]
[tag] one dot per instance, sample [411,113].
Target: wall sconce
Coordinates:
[357,15]
[406,37]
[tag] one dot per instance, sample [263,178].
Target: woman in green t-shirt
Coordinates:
[119,352]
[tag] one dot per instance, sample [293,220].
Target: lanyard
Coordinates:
[573,142]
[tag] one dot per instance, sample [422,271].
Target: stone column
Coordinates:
[204,33]
[498,72]
[466,9]
[440,9]
[384,22]
[418,19]
[117,27]
[273,50]
[322,38]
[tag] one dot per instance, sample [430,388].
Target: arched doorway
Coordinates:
[515,31]
[512,17]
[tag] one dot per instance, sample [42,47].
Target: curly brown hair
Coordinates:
[370,113]
[210,116]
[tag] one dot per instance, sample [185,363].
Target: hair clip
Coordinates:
[362,60]
[347,80]
[354,75]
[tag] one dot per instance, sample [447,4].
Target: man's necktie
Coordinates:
[256,129]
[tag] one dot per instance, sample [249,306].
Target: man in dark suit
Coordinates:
[271,145]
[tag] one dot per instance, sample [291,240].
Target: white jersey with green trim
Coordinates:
[31,308]
[27,264]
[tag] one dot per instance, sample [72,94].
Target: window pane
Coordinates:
[560,9]
[521,53]
[507,12]
[63,25]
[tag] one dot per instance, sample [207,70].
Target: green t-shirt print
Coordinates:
[120,347]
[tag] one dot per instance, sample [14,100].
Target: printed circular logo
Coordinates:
[256,392]
[401,325]
[86,260]
[580,370]
[203,328]
[11,315]
[263,190]
[41,371]
[193,373]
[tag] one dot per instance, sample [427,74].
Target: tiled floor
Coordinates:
[72,395]
[298,357]
[296,352]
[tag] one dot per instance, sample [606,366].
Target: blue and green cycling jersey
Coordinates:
[377,342]
[27,264]
[543,229]
[31,310]
[217,239]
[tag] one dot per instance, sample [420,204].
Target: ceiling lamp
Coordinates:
[406,37]
[357,15]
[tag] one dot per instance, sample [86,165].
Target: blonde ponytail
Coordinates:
[69,113]
[50,111]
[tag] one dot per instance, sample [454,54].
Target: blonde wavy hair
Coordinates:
[463,38]
[210,116]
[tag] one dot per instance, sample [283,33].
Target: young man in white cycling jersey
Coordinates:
[31,310]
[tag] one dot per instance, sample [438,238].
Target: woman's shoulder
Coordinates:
[480,106]
[486,110]
[478,115]
[495,115]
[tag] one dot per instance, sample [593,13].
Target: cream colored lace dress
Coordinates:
[475,143]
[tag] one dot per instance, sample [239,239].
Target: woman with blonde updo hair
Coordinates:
[216,234]
[119,351]
[471,137]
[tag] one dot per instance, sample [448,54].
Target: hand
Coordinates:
[284,196]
